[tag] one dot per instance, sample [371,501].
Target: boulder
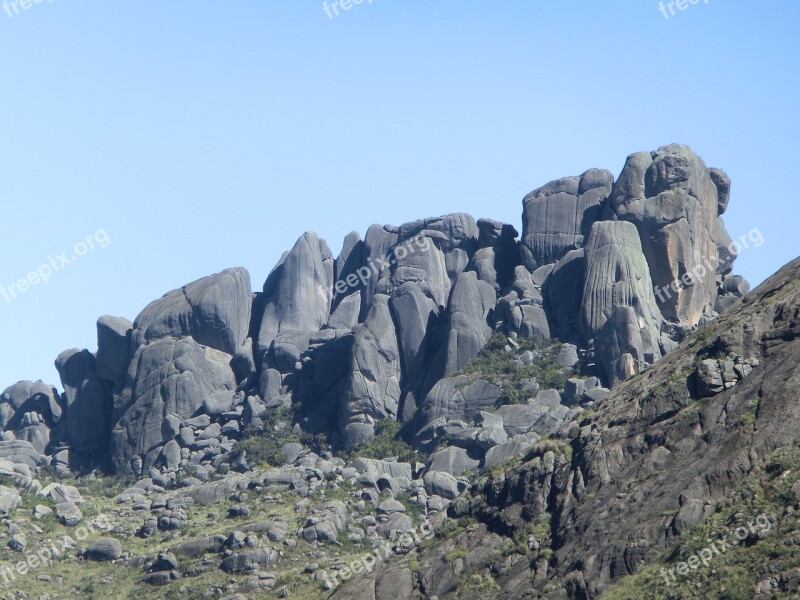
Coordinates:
[459,398]
[454,461]
[9,499]
[68,514]
[113,347]
[88,402]
[167,377]
[214,310]
[558,216]
[672,199]
[103,550]
[438,483]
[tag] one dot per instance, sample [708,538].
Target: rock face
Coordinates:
[385,329]
[167,377]
[374,388]
[88,402]
[557,217]
[672,198]
[215,311]
[618,309]
[183,346]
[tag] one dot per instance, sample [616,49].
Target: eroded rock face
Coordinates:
[373,391]
[557,217]
[468,331]
[167,377]
[618,309]
[88,402]
[385,328]
[214,310]
[674,201]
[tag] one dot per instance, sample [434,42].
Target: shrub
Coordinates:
[387,442]
[264,445]
[494,364]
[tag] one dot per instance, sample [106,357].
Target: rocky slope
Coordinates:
[702,447]
[439,374]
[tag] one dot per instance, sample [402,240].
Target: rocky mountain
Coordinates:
[567,403]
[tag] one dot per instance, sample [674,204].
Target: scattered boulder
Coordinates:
[103,550]
[68,514]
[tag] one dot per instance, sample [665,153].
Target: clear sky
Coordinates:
[187,137]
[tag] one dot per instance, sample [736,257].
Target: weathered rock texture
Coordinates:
[383,330]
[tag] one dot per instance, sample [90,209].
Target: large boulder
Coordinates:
[674,201]
[113,347]
[214,310]
[167,377]
[617,276]
[21,453]
[557,217]
[459,398]
[88,402]
[104,550]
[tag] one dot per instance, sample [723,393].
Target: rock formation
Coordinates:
[380,331]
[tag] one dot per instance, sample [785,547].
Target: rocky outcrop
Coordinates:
[672,198]
[183,346]
[619,311]
[557,217]
[88,402]
[215,311]
[373,391]
[386,328]
[167,378]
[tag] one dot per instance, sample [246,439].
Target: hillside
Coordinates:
[443,410]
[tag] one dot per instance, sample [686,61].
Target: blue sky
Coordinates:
[204,135]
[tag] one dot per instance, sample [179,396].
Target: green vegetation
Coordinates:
[495,364]
[387,443]
[263,445]
[455,554]
[734,574]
